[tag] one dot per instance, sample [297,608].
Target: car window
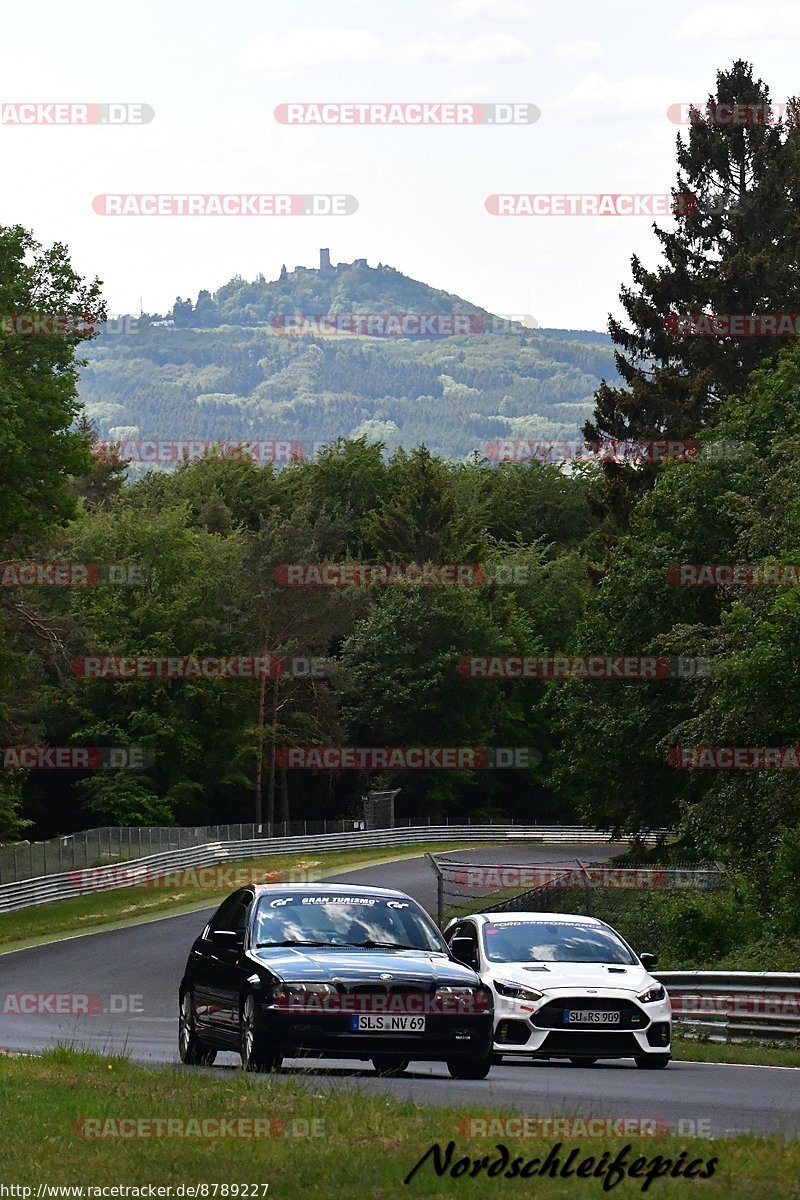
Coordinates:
[351,920]
[232,913]
[553,941]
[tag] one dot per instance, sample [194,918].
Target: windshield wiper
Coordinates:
[292,942]
[371,945]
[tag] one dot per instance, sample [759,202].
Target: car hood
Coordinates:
[546,976]
[326,966]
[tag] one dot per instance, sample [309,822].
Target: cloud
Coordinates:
[497,10]
[577,51]
[305,49]
[494,48]
[738,21]
[311,49]
[638,95]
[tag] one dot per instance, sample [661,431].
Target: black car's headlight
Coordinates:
[517,991]
[476,999]
[653,994]
[303,995]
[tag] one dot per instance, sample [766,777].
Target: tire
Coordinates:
[254,1054]
[193,1051]
[470,1068]
[652,1062]
[583,1062]
[390,1067]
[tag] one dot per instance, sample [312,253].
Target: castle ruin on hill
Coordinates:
[326,267]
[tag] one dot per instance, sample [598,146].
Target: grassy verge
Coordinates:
[340,1143]
[748,1053]
[124,906]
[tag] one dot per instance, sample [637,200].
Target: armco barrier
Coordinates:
[137,871]
[731,1006]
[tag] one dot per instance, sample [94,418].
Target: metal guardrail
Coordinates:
[140,871]
[734,1006]
[116,843]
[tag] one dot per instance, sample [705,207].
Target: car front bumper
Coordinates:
[524,1029]
[444,1038]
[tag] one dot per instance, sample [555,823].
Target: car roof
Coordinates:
[327,889]
[533,918]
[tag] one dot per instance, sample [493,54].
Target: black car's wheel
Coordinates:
[193,1051]
[652,1062]
[390,1067]
[583,1062]
[470,1068]
[255,1055]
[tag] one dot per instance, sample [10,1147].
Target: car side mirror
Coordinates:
[648,960]
[463,949]
[227,939]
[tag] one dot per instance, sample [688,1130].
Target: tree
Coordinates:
[38,382]
[739,502]
[734,250]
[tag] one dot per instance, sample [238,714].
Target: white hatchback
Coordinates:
[565,987]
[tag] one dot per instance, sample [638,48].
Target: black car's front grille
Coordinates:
[599,1044]
[553,1015]
[375,988]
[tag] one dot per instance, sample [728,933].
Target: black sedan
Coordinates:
[335,971]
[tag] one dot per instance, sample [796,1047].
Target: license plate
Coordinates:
[582,1016]
[386,1023]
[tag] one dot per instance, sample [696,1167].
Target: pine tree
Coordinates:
[735,249]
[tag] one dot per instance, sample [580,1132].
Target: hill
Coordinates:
[228,367]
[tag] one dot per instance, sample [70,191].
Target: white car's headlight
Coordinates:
[516,991]
[652,995]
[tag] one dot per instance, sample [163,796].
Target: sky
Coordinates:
[602,73]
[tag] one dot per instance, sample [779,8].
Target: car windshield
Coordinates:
[556,941]
[345,920]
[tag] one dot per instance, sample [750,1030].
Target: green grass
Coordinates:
[125,906]
[362,1146]
[749,1053]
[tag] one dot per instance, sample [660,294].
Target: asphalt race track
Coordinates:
[131,978]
